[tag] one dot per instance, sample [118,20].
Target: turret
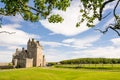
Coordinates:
[16,50]
[38,42]
[29,40]
[44,61]
[28,44]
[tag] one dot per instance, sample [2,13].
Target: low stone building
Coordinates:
[32,57]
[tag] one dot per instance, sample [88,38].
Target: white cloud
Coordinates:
[53,44]
[6,56]
[104,52]
[69,40]
[116,41]
[73,42]
[68,26]
[19,38]
[54,55]
[82,42]
[12,47]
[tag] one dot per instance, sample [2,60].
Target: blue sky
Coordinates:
[61,40]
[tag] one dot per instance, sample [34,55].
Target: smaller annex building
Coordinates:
[32,57]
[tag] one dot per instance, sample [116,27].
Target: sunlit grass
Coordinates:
[58,74]
[90,66]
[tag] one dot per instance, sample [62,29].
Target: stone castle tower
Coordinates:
[32,57]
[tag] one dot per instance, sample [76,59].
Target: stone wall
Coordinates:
[29,62]
[21,63]
[5,66]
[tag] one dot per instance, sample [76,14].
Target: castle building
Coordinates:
[32,57]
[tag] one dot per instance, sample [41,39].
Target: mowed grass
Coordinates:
[90,66]
[59,74]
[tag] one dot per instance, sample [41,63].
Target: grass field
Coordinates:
[59,74]
[91,66]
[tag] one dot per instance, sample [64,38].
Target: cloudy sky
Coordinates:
[61,40]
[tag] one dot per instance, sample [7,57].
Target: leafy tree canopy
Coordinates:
[43,8]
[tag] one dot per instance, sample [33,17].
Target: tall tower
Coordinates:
[35,51]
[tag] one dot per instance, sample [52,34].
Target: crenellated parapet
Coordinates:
[33,43]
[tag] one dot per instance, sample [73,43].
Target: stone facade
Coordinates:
[32,57]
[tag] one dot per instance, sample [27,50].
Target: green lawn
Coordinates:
[90,66]
[59,74]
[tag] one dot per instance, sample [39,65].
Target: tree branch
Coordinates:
[7,32]
[115,9]
[104,30]
[115,31]
[106,15]
[101,9]
[31,7]
[111,26]
[34,9]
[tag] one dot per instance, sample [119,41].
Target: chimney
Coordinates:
[23,49]
[43,56]
[38,42]
[32,39]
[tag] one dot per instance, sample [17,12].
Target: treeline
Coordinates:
[51,63]
[92,61]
